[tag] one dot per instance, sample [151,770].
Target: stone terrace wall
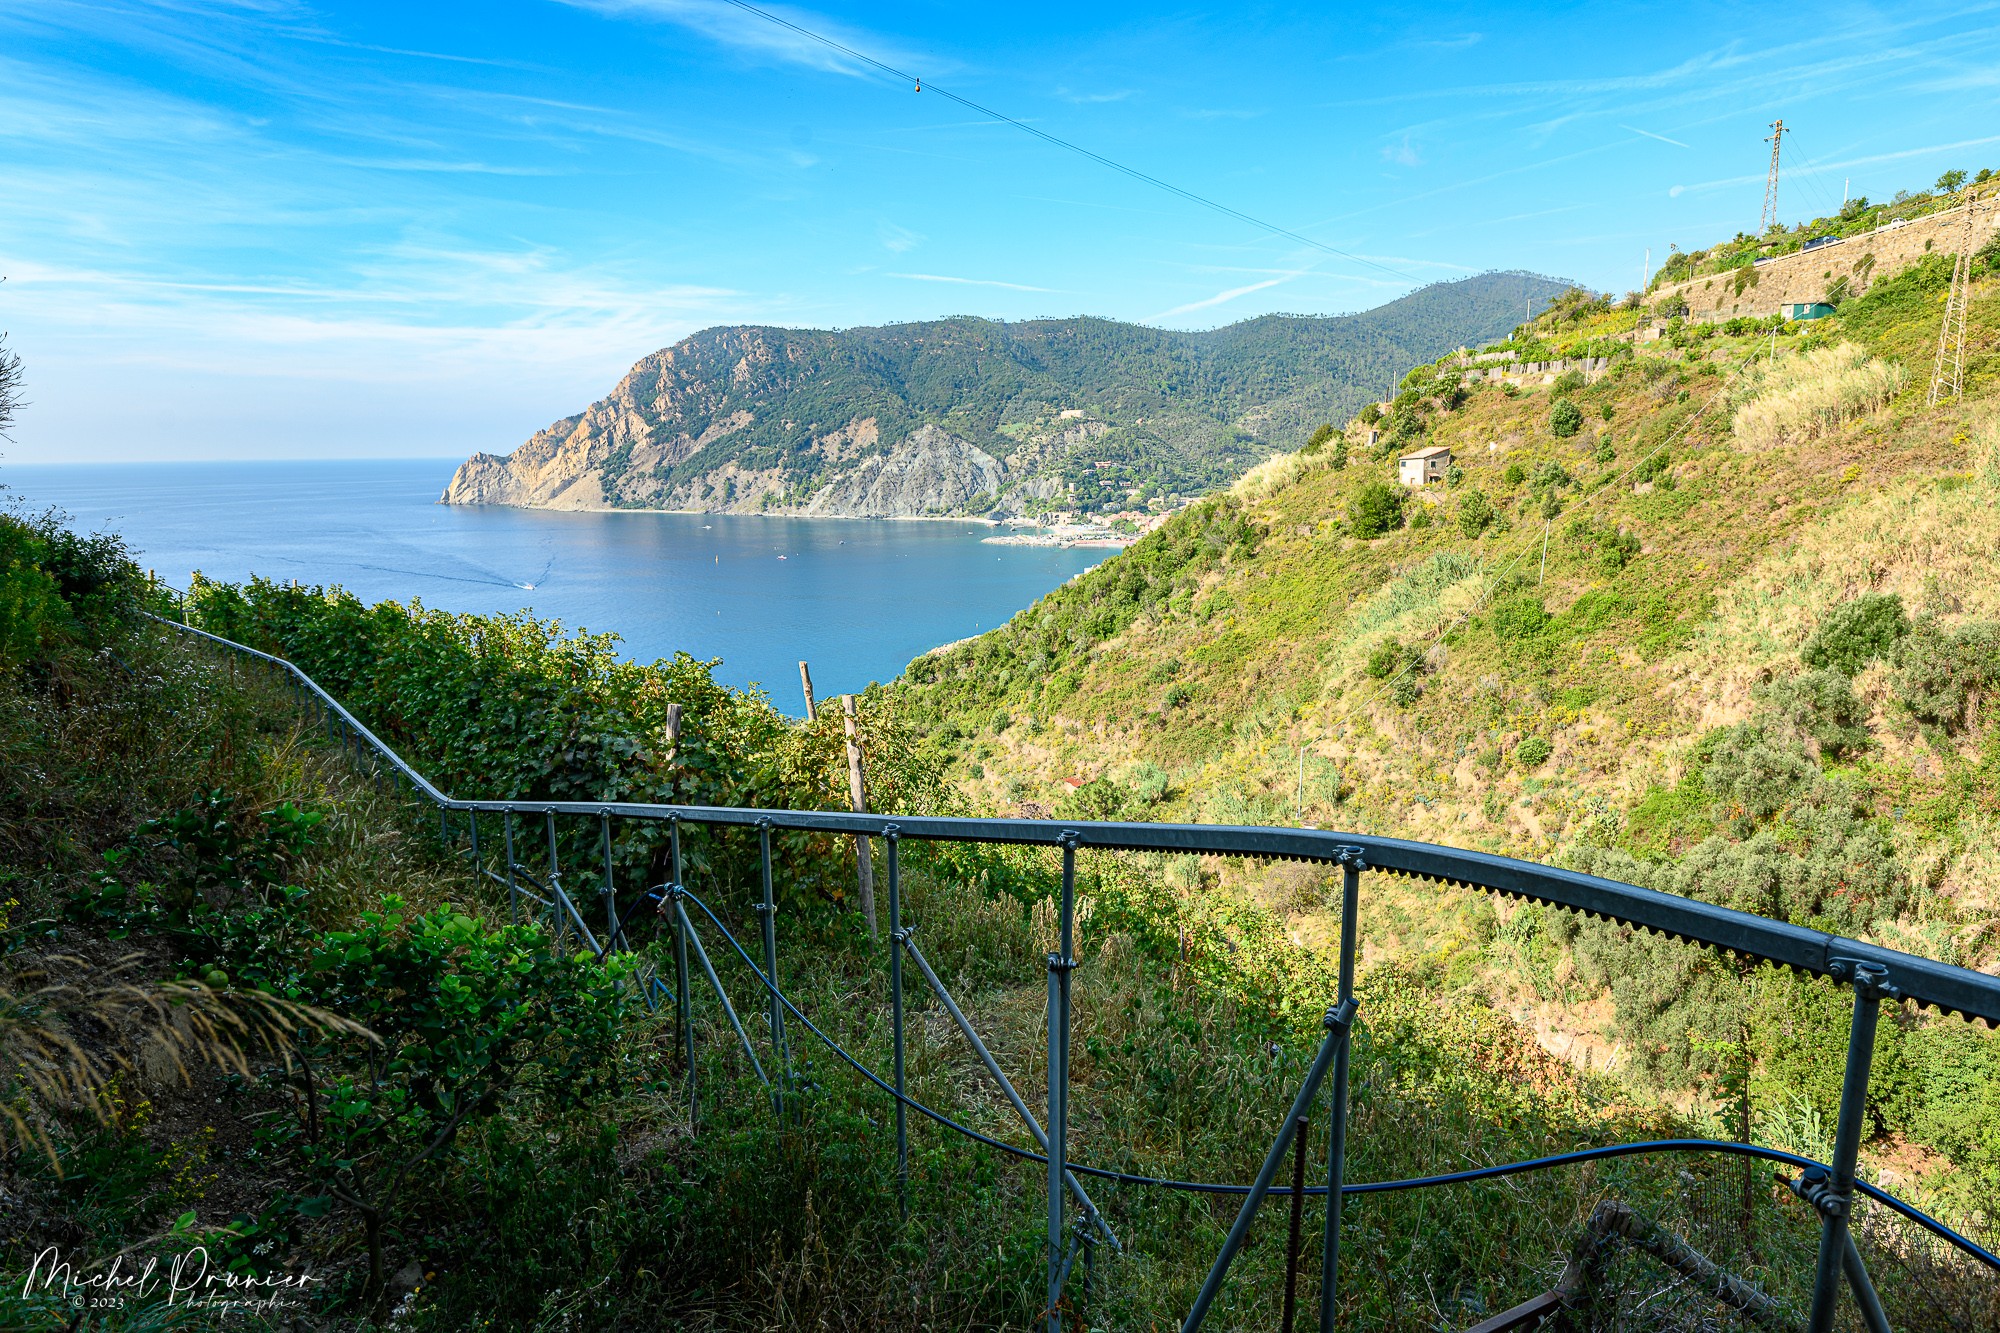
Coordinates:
[1805,276]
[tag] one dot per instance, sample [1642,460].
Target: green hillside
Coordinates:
[1710,621]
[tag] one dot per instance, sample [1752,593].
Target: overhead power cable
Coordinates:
[1058,142]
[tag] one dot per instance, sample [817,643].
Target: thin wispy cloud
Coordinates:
[1844,164]
[970,282]
[1403,152]
[1650,135]
[729,26]
[1086,98]
[898,240]
[1220,298]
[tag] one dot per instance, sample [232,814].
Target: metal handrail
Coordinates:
[1873,973]
[1924,981]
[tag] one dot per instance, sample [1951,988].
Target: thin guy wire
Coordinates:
[1058,142]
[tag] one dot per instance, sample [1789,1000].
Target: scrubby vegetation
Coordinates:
[1726,628]
[467,1123]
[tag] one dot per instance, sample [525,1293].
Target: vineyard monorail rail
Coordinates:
[1871,972]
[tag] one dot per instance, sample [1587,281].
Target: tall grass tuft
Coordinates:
[1812,395]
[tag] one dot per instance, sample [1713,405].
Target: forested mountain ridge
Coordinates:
[971,415]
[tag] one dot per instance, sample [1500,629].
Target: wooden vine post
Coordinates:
[806,679]
[863,857]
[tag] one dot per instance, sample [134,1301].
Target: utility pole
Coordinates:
[1771,181]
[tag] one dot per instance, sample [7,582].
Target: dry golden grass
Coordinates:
[1935,541]
[68,1028]
[1273,474]
[1811,395]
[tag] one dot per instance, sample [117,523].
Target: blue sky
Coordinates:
[269,229]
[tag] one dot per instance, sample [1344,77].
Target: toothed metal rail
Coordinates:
[1871,972]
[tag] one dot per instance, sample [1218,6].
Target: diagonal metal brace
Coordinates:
[1006,1086]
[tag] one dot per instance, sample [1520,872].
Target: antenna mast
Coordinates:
[1771,181]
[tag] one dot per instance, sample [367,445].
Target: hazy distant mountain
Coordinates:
[971,415]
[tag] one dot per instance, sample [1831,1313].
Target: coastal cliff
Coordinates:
[976,417]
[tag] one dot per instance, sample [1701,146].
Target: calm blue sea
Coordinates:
[857,598]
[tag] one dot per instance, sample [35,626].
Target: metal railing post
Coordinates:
[768,909]
[681,1014]
[897,934]
[1336,1150]
[610,884]
[555,875]
[513,890]
[1291,1309]
[1338,1019]
[1837,1201]
[1060,964]
[472,822]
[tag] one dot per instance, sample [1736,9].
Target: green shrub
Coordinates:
[1475,513]
[1567,383]
[1820,704]
[1386,660]
[1605,452]
[30,603]
[1519,618]
[1941,673]
[1606,412]
[1857,632]
[1565,418]
[1317,440]
[1615,550]
[1533,752]
[1377,508]
[1514,474]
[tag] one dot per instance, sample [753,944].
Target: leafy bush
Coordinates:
[1942,674]
[1550,476]
[1317,440]
[1565,418]
[1820,705]
[1377,508]
[1567,383]
[1605,452]
[1857,632]
[29,601]
[1386,660]
[1475,513]
[1519,618]
[1533,752]
[1513,474]
[1615,550]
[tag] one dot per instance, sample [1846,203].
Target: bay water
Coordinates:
[857,598]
